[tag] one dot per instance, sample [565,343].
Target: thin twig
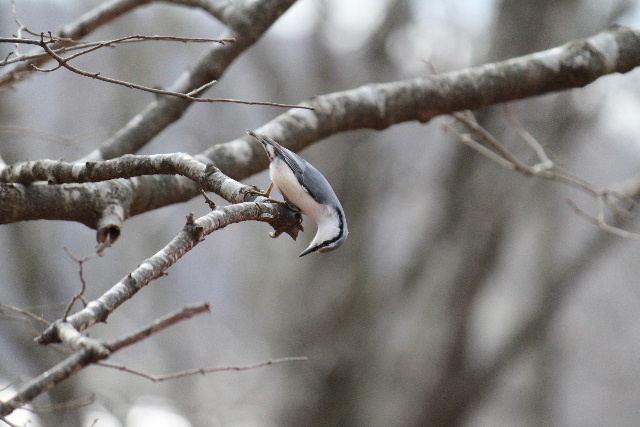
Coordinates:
[21,40]
[79,295]
[87,355]
[21,26]
[207,199]
[202,371]
[199,90]
[469,120]
[545,161]
[91,46]
[599,221]
[25,313]
[171,319]
[64,62]
[606,199]
[472,143]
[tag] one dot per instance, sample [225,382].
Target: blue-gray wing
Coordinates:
[317,185]
[311,179]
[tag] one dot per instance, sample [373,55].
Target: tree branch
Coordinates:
[87,47]
[378,106]
[374,106]
[96,18]
[191,96]
[203,371]
[86,24]
[607,200]
[191,235]
[106,205]
[89,354]
[246,25]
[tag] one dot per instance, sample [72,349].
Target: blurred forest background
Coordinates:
[466,294]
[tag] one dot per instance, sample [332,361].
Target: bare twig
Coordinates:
[99,16]
[472,143]
[545,161]
[87,46]
[202,371]
[25,313]
[21,40]
[79,295]
[190,96]
[600,220]
[87,355]
[468,119]
[24,316]
[21,26]
[64,62]
[170,319]
[207,199]
[191,235]
[92,46]
[492,148]
[21,319]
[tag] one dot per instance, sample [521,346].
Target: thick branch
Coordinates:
[378,106]
[374,106]
[246,25]
[128,166]
[192,234]
[106,205]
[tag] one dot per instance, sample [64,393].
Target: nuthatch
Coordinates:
[304,186]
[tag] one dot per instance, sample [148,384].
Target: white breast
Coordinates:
[288,185]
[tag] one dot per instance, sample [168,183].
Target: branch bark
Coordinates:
[191,235]
[99,17]
[246,26]
[106,204]
[375,106]
[88,355]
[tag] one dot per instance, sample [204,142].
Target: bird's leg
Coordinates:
[260,193]
[268,192]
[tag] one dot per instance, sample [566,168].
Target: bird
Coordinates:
[306,188]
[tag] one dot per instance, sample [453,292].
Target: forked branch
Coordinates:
[89,353]
[609,202]
[63,62]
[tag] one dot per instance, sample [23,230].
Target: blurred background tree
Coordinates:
[466,294]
